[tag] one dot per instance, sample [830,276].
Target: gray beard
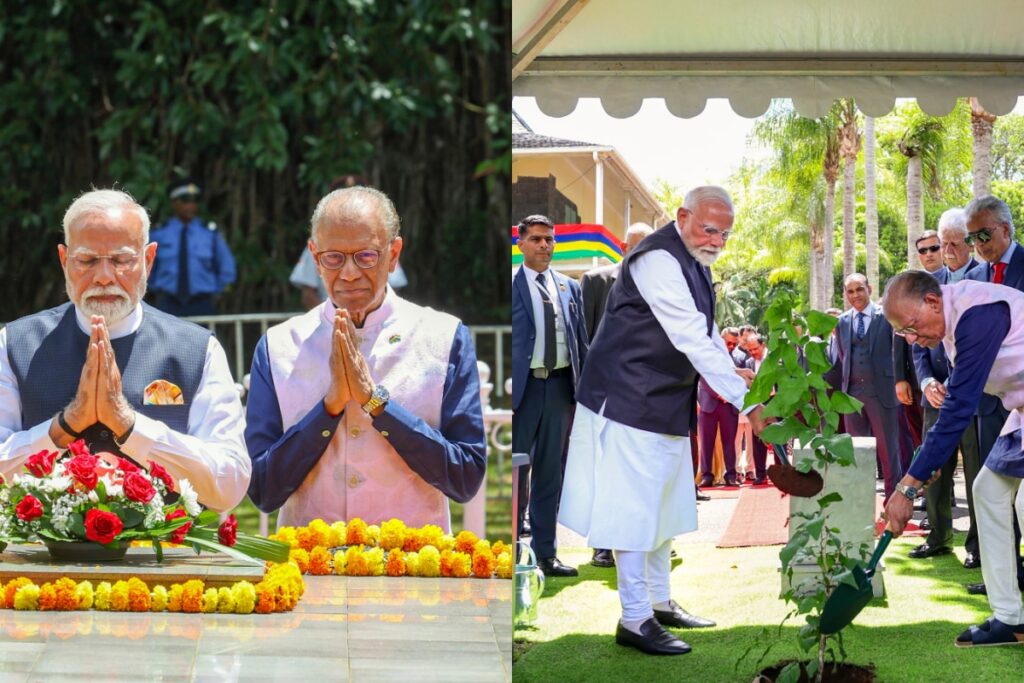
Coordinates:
[704,258]
[112,312]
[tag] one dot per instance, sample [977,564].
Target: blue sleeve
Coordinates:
[922,364]
[452,459]
[977,338]
[280,460]
[225,264]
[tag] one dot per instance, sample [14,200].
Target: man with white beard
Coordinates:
[123,376]
[629,477]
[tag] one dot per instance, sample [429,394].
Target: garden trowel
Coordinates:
[846,601]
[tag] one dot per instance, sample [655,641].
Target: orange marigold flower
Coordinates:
[139,597]
[414,540]
[483,562]
[320,561]
[356,532]
[395,566]
[264,599]
[305,538]
[300,558]
[465,541]
[47,597]
[499,547]
[174,596]
[67,594]
[192,596]
[11,587]
[461,565]
[321,533]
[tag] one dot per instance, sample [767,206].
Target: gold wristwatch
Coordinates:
[378,398]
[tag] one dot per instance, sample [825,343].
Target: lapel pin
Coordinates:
[561,287]
[394,339]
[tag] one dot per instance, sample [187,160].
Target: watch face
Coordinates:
[381,394]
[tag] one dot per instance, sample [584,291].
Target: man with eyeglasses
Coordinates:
[195,263]
[981,326]
[629,482]
[117,373]
[990,230]
[367,405]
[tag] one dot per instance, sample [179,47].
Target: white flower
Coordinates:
[93,496]
[57,484]
[114,490]
[189,498]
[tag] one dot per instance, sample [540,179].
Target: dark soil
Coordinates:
[838,673]
[794,482]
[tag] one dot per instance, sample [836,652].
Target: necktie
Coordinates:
[860,325]
[999,269]
[550,351]
[183,293]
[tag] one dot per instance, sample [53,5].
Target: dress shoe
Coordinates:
[758,481]
[652,639]
[552,566]
[731,481]
[701,496]
[603,558]
[972,561]
[925,550]
[680,618]
[925,525]
[977,589]
[705,482]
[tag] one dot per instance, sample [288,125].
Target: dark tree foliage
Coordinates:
[266,103]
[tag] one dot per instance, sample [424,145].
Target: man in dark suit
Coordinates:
[990,231]
[714,416]
[595,285]
[863,369]
[755,347]
[549,344]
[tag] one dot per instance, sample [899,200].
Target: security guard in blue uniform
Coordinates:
[193,262]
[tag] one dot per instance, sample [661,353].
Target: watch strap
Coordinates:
[66,427]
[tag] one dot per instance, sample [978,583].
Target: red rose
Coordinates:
[40,464]
[78,447]
[101,526]
[126,465]
[161,474]
[83,469]
[29,508]
[228,531]
[138,488]
[178,535]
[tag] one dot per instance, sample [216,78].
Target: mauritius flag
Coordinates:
[574,241]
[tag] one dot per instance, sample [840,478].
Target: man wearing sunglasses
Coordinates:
[981,326]
[367,405]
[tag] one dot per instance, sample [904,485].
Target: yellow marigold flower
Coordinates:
[244,595]
[11,588]
[499,547]
[412,564]
[305,538]
[192,596]
[431,535]
[429,561]
[355,533]
[480,546]
[174,595]
[84,594]
[225,600]
[321,532]
[503,565]
[339,562]
[320,561]
[301,559]
[483,561]
[102,596]
[395,565]
[158,599]
[375,561]
[462,565]
[465,541]
[338,534]
[373,534]
[119,597]
[139,599]
[392,534]
[285,534]
[27,597]
[355,563]
[47,597]
[210,599]
[447,542]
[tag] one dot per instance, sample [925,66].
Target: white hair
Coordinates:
[706,193]
[338,202]
[997,207]
[104,202]
[639,229]
[953,220]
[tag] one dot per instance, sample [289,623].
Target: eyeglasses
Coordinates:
[334,260]
[122,262]
[712,231]
[984,235]
[910,330]
[928,250]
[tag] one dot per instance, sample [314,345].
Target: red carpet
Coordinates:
[760,518]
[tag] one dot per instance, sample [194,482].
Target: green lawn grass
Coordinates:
[906,636]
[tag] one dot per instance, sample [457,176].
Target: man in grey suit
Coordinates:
[863,369]
[595,285]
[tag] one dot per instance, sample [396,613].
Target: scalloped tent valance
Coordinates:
[751,52]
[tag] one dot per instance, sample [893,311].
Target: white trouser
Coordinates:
[643,580]
[993,505]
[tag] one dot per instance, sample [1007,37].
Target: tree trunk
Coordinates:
[849,224]
[915,207]
[870,206]
[829,227]
[814,277]
[982,123]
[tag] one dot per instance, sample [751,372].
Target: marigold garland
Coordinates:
[279,591]
[355,548]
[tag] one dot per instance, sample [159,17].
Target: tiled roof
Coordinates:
[523,137]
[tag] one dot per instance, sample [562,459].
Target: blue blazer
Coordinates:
[879,336]
[524,329]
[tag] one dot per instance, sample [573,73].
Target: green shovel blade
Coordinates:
[846,602]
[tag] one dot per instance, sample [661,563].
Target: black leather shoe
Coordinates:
[972,561]
[977,589]
[680,618]
[552,566]
[701,496]
[925,550]
[603,558]
[706,482]
[652,639]
[758,481]
[925,525]
[731,481]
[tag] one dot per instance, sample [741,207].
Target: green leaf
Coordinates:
[781,432]
[840,446]
[814,527]
[796,543]
[130,517]
[820,324]
[77,526]
[101,491]
[158,548]
[789,674]
[844,403]
[828,499]
[811,667]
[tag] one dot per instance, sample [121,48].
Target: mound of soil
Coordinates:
[838,673]
[790,480]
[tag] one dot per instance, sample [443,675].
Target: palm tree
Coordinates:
[922,143]
[870,207]
[849,147]
[982,123]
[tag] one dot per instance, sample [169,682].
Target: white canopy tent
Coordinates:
[750,51]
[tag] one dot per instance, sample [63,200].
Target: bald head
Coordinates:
[913,306]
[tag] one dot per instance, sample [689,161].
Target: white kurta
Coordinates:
[630,489]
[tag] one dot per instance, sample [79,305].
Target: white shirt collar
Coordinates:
[532,274]
[1008,254]
[122,328]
